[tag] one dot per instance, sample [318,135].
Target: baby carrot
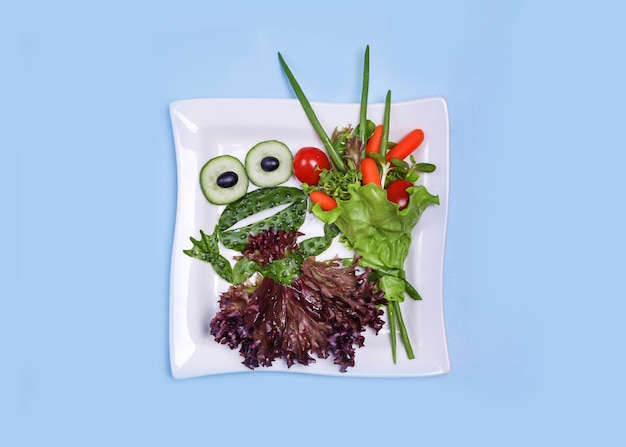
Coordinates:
[326,202]
[373,144]
[406,145]
[369,171]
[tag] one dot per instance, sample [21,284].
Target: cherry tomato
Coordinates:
[396,192]
[307,164]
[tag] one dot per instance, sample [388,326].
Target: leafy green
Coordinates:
[380,233]
[374,227]
[370,127]
[335,183]
[323,314]
[348,146]
[425,167]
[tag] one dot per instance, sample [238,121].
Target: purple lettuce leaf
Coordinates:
[323,313]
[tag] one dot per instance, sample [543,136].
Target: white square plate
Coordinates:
[205,128]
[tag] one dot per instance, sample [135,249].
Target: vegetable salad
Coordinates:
[283,302]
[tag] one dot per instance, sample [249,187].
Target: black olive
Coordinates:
[269,164]
[227,179]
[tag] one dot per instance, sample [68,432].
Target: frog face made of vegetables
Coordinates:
[296,307]
[224,180]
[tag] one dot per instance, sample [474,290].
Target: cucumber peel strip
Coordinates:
[290,218]
[283,270]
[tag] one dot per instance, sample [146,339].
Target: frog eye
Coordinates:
[269,163]
[223,180]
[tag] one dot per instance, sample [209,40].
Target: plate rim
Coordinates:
[175,109]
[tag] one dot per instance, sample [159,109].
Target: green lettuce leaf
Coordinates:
[375,228]
[380,233]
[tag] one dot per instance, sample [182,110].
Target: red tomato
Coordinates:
[307,164]
[396,192]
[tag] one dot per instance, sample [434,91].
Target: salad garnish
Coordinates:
[373,199]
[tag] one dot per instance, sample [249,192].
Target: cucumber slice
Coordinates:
[269,163]
[223,180]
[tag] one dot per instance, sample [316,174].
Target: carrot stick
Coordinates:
[369,172]
[373,144]
[406,145]
[326,202]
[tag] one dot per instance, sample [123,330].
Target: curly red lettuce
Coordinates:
[323,313]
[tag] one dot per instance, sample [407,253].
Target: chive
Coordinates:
[366,79]
[403,333]
[308,110]
[385,136]
[391,317]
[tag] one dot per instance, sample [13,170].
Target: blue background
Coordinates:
[534,295]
